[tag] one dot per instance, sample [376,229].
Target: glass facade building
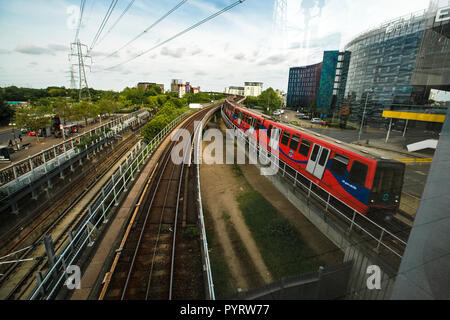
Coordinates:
[319,85]
[303,86]
[381,68]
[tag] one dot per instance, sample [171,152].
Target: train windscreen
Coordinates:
[388,183]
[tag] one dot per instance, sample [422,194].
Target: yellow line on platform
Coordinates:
[416,160]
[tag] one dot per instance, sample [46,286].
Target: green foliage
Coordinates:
[279,242]
[33,117]
[203,97]
[269,101]
[168,112]
[6,113]
[190,233]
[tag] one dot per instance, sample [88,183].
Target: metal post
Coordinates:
[406,127]
[389,131]
[379,241]
[364,115]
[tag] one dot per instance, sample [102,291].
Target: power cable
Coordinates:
[103,24]
[180,33]
[152,26]
[117,21]
[83,2]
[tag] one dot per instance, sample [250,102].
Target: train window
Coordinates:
[295,141]
[285,138]
[304,148]
[324,157]
[314,153]
[269,131]
[259,124]
[358,173]
[339,165]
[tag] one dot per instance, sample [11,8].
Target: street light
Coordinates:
[364,115]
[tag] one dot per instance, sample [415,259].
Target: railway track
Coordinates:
[18,279]
[145,265]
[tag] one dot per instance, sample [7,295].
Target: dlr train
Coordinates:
[366,183]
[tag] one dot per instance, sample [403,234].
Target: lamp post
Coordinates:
[364,115]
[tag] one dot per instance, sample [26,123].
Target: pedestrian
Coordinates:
[20,137]
[10,144]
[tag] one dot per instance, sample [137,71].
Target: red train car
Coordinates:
[364,182]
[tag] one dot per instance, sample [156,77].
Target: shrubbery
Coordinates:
[169,112]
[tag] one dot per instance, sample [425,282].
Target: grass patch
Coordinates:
[254,279]
[283,251]
[224,284]
[237,171]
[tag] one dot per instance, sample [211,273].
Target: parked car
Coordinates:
[277,113]
[317,120]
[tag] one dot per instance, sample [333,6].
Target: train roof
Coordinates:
[360,150]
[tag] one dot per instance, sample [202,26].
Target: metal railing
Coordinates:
[51,157]
[96,214]
[198,157]
[328,201]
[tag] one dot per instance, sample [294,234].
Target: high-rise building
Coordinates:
[174,85]
[303,86]
[320,85]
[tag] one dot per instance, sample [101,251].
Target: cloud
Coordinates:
[174,53]
[58,47]
[329,41]
[200,73]
[196,51]
[273,60]
[33,50]
[3,51]
[239,56]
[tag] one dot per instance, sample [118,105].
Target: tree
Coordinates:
[269,99]
[34,118]
[6,112]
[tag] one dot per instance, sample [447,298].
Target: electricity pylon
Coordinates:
[78,50]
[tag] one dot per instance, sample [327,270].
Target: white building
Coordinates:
[238,91]
[253,89]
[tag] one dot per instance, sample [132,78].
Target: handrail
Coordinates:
[352,221]
[97,214]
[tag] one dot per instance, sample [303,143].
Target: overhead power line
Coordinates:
[83,2]
[117,21]
[180,33]
[152,26]
[103,24]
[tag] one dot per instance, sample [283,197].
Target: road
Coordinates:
[6,135]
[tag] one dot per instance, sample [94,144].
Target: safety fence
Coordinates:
[18,175]
[97,213]
[205,251]
[382,237]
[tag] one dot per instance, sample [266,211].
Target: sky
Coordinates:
[246,44]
